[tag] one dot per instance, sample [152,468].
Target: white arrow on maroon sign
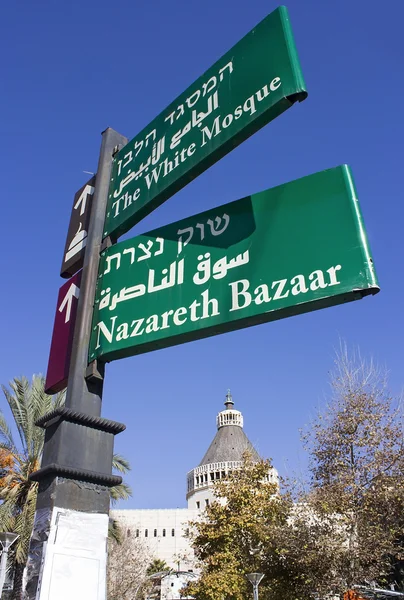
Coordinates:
[72,292]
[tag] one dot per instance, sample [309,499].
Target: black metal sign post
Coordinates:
[67,556]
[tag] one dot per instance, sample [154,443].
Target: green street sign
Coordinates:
[292,249]
[257,80]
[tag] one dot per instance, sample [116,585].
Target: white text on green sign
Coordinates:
[288,250]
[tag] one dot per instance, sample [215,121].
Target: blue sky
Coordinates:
[69,70]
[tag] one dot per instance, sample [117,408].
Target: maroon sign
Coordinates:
[62,336]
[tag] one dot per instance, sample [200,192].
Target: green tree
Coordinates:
[156,566]
[28,402]
[234,536]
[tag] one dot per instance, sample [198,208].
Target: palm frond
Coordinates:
[17,401]
[6,446]
[41,403]
[119,463]
[114,531]
[59,399]
[12,491]
[24,524]
[6,437]
[120,492]
[12,403]
[6,516]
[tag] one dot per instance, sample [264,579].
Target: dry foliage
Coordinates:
[357,459]
[126,571]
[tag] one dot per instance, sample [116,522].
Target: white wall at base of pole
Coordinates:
[75,557]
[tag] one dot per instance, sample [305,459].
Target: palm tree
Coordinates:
[118,492]
[28,402]
[157,566]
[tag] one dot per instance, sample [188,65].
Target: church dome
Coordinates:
[230,441]
[224,454]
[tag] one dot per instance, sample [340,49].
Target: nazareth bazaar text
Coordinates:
[205,307]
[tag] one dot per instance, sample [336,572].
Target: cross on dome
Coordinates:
[229,401]
[225,453]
